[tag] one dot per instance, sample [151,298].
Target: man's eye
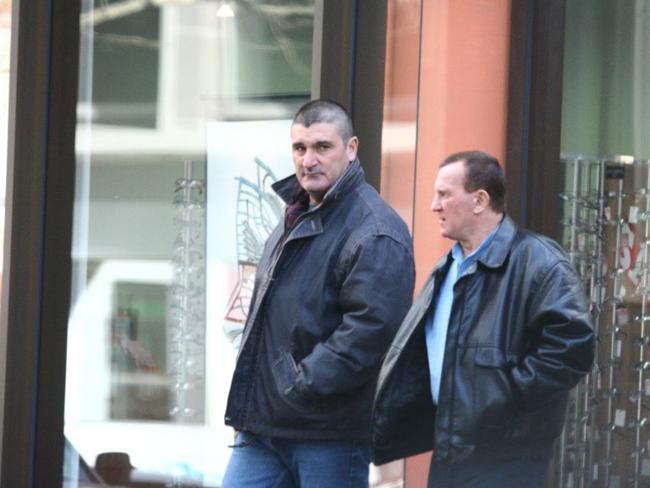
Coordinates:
[323,147]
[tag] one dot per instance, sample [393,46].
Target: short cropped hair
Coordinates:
[326,111]
[482,172]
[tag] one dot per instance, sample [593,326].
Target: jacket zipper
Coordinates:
[470,271]
[453,376]
[277,254]
[279,249]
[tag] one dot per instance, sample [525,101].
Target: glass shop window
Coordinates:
[183,124]
[605,161]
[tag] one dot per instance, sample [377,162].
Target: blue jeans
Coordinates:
[263,462]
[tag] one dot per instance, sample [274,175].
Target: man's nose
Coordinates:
[435,205]
[310,159]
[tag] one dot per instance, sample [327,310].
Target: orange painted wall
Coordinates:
[461,104]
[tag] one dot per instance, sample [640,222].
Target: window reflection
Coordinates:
[168,91]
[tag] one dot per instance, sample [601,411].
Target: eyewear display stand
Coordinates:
[186,323]
[606,231]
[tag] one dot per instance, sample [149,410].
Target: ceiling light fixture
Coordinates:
[225,10]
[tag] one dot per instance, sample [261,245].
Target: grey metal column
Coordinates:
[583,206]
[616,167]
[641,421]
[597,288]
[571,167]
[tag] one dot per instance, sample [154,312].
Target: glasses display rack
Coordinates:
[606,231]
[583,241]
[641,452]
[186,317]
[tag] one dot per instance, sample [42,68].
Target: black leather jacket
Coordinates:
[328,299]
[519,339]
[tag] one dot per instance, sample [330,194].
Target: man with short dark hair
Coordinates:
[332,286]
[482,365]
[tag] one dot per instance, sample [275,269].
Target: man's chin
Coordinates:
[314,196]
[314,190]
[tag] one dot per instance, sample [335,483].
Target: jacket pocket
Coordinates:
[493,396]
[490,357]
[286,374]
[544,423]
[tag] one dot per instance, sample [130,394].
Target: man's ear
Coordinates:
[352,148]
[481,201]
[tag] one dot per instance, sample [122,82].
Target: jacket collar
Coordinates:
[497,251]
[289,189]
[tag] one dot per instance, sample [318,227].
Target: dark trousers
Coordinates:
[504,471]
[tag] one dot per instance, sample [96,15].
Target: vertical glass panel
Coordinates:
[401,105]
[605,163]
[183,110]
[5,58]
[399,140]
[606,94]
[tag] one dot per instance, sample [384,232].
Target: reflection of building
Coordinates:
[105,110]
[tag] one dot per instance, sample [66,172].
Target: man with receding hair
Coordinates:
[332,286]
[482,365]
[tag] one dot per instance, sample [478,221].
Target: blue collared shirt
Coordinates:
[438,318]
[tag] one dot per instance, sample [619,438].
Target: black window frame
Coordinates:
[535,113]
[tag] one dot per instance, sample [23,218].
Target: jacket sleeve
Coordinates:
[562,346]
[376,293]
